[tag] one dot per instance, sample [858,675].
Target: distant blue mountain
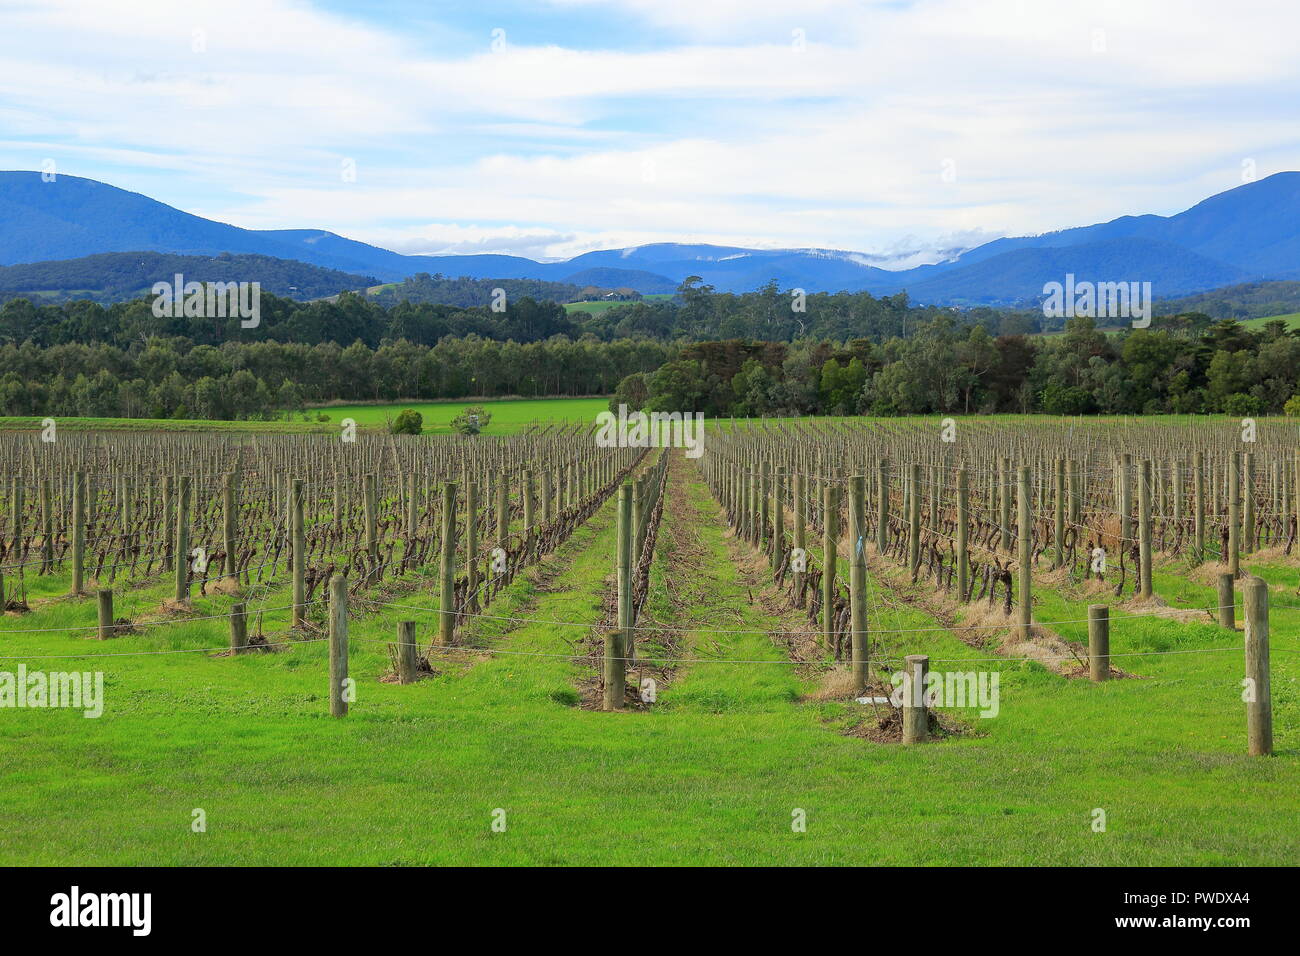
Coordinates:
[1247,233]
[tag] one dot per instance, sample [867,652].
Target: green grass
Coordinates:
[710,775]
[1292,321]
[596,308]
[508,416]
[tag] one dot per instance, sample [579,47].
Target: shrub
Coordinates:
[407,422]
[472,420]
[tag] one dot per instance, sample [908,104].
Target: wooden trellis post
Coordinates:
[858,579]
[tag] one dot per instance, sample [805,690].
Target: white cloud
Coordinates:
[728,134]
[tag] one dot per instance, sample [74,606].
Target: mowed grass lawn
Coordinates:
[508,416]
[715,773]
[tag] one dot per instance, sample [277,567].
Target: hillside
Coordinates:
[120,276]
[1244,234]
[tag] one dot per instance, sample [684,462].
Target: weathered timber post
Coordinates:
[1198,488]
[800,538]
[405,650]
[618,640]
[1259,698]
[47,527]
[78,532]
[372,523]
[1233,557]
[1026,533]
[338,645]
[229,542]
[858,579]
[105,613]
[1058,527]
[963,535]
[882,506]
[238,627]
[778,517]
[914,520]
[182,593]
[1098,642]
[916,716]
[447,567]
[830,537]
[1144,530]
[1226,601]
[1248,503]
[299,544]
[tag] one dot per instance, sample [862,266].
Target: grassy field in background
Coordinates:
[595,308]
[739,741]
[507,416]
[1292,321]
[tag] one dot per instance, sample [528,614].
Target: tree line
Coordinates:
[173,378]
[952,367]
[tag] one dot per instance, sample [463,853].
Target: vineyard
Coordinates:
[530,648]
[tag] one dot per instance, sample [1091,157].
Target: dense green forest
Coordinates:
[945,366]
[1249,300]
[717,353]
[118,276]
[465,292]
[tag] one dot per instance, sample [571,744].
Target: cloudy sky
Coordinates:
[551,127]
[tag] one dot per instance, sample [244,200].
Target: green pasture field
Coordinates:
[1292,321]
[508,416]
[595,308]
[741,744]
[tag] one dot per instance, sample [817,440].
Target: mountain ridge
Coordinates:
[1242,234]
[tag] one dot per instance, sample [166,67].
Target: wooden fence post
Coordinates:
[830,538]
[47,527]
[182,591]
[800,537]
[1098,642]
[338,644]
[914,520]
[617,641]
[1026,533]
[1233,557]
[1144,529]
[778,517]
[1058,527]
[372,523]
[447,567]
[105,613]
[238,627]
[916,716]
[406,652]
[1259,699]
[858,579]
[78,532]
[1248,502]
[963,535]
[229,540]
[882,506]
[1226,600]
[299,545]
[1198,485]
